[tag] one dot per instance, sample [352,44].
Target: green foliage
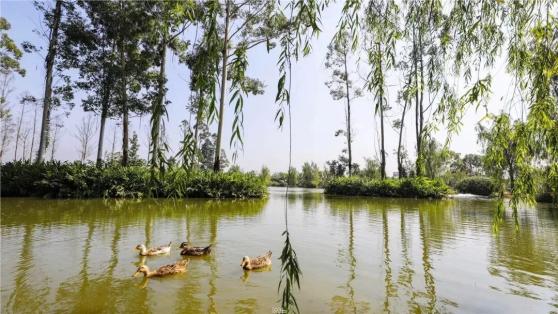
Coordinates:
[477,185]
[78,180]
[310,176]
[265,175]
[10,54]
[413,187]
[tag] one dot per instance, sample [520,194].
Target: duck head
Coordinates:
[245,262]
[142,269]
[141,247]
[184,244]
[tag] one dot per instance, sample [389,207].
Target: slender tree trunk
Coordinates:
[400,168]
[382,136]
[18,132]
[104,114]
[113,142]
[157,109]
[124,99]
[33,135]
[199,114]
[349,139]
[217,163]
[53,148]
[421,108]
[52,47]
[418,163]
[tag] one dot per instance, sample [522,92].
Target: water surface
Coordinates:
[356,254]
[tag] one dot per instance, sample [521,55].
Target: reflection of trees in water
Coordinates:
[526,257]
[16,212]
[429,281]
[342,304]
[94,288]
[390,289]
[435,224]
[25,297]
[406,273]
[212,308]
[249,305]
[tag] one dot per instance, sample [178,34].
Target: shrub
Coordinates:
[476,185]
[411,187]
[78,180]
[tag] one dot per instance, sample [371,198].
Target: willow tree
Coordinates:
[303,19]
[245,25]
[341,87]
[425,65]
[382,34]
[476,34]
[170,19]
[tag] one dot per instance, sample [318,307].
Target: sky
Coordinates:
[315,115]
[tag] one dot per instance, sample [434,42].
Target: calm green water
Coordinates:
[357,255]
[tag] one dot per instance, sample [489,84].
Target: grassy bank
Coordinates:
[412,187]
[77,180]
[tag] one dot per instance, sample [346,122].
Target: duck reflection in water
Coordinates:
[246,274]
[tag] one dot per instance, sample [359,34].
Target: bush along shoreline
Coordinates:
[477,185]
[410,187]
[78,180]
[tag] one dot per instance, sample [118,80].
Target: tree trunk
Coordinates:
[382,137]
[104,114]
[18,132]
[418,130]
[349,139]
[53,148]
[33,135]
[199,114]
[124,100]
[421,108]
[217,163]
[157,110]
[52,47]
[400,168]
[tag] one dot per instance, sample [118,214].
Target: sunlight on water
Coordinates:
[356,254]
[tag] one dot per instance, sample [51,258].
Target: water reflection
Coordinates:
[357,254]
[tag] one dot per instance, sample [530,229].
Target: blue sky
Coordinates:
[316,115]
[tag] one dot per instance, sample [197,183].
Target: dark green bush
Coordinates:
[77,180]
[476,185]
[412,187]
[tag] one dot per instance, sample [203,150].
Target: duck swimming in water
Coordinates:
[187,249]
[170,269]
[257,262]
[143,251]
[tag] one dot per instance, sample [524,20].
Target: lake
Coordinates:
[356,254]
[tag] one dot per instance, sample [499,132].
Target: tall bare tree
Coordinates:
[341,87]
[84,134]
[54,136]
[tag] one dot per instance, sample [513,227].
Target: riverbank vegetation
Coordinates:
[78,180]
[411,187]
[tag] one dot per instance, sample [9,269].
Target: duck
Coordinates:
[170,269]
[257,262]
[187,249]
[153,251]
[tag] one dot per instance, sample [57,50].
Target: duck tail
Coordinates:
[170,243]
[268,254]
[208,249]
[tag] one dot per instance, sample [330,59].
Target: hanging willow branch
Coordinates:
[303,25]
